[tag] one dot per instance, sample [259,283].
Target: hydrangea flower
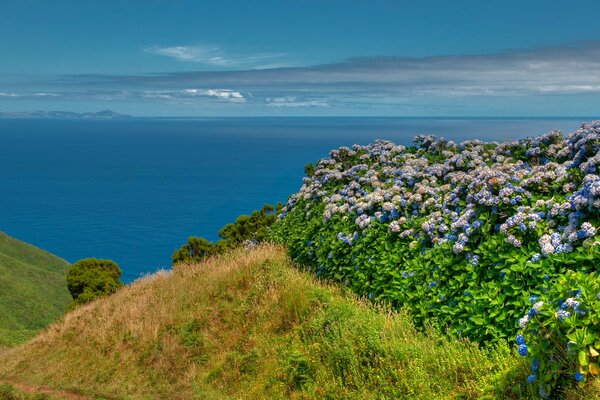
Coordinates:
[562,315]
[522,350]
[523,322]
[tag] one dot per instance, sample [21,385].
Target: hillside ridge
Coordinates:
[33,291]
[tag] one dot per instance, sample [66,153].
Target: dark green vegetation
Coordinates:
[91,278]
[33,290]
[246,229]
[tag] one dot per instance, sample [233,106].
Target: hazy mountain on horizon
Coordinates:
[104,114]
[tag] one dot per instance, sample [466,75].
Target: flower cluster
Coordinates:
[437,189]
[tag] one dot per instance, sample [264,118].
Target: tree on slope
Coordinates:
[91,278]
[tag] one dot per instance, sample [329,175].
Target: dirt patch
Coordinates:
[58,394]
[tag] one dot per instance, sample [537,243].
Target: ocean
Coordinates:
[133,190]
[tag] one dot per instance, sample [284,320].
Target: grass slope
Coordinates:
[33,289]
[248,325]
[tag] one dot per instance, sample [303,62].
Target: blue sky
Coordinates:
[241,58]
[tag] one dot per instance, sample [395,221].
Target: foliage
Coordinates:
[195,250]
[33,290]
[91,278]
[461,235]
[250,229]
[560,332]
[309,169]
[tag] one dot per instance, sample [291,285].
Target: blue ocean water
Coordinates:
[133,190]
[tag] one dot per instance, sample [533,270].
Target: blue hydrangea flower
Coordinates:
[520,340]
[579,376]
[531,378]
[562,315]
[535,365]
[523,350]
[533,298]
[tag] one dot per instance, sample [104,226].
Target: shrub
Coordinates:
[459,234]
[560,332]
[195,250]
[90,278]
[250,229]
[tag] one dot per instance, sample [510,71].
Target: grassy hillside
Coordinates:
[33,291]
[249,325]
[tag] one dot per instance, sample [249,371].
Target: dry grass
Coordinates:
[132,336]
[248,326]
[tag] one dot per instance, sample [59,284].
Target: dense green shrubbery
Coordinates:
[91,278]
[250,229]
[560,332]
[460,235]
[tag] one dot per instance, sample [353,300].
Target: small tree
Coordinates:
[90,278]
[251,227]
[309,169]
[247,227]
[196,249]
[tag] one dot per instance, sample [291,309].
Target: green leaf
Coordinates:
[583,358]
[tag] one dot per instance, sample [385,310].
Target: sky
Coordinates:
[301,58]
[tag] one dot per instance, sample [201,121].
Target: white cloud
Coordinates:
[569,69]
[227,95]
[292,101]
[216,56]
[157,95]
[25,95]
[43,94]
[223,94]
[204,54]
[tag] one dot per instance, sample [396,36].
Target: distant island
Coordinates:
[105,114]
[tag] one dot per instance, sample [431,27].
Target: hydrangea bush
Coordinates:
[462,235]
[561,332]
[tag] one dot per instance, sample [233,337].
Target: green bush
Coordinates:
[560,332]
[250,229]
[195,250]
[90,278]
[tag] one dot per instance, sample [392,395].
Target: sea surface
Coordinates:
[133,190]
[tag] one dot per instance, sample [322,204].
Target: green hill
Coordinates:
[33,290]
[249,325]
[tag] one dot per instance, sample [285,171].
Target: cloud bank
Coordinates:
[363,83]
